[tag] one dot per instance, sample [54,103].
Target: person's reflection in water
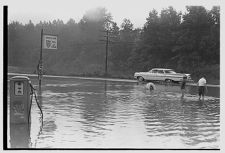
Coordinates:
[202,103]
[197,103]
[20,135]
[182,100]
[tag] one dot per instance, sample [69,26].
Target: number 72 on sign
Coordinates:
[49,42]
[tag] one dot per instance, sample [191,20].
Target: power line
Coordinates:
[107,42]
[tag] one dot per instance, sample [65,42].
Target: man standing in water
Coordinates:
[183,84]
[202,88]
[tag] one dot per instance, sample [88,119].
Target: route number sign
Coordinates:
[49,42]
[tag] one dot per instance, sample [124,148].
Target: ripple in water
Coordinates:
[98,114]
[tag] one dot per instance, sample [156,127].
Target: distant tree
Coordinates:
[71,22]
[187,42]
[157,39]
[190,47]
[92,25]
[123,46]
[14,54]
[214,37]
[126,31]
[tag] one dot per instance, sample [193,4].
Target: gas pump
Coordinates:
[21,95]
[20,135]
[20,99]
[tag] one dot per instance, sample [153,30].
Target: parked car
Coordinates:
[161,74]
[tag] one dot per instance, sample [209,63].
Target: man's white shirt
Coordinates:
[202,82]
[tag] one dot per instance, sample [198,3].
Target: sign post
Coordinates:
[40,65]
[47,42]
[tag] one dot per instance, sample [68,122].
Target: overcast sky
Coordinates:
[135,10]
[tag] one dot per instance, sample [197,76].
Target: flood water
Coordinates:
[112,114]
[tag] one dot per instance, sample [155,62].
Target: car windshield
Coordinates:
[170,71]
[160,71]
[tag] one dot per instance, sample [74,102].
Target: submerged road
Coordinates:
[84,112]
[95,78]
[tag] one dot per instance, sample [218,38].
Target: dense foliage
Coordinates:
[187,42]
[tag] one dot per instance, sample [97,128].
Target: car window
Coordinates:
[154,71]
[170,71]
[160,71]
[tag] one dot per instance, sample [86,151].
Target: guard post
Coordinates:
[20,99]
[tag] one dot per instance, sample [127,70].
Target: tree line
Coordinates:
[186,42]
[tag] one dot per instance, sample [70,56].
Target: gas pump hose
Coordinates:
[33,92]
[31,99]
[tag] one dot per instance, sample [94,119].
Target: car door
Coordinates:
[167,74]
[160,75]
[152,75]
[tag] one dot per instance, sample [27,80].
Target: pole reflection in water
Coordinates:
[40,96]
[20,135]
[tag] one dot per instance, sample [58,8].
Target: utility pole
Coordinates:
[106,53]
[107,42]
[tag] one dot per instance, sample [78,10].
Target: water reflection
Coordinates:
[200,124]
[106,114]
[20,135]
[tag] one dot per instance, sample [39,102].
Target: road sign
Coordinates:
[49,42]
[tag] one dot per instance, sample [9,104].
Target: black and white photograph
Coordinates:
[111,75]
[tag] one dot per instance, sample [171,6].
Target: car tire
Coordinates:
[140,78]
[168,81]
